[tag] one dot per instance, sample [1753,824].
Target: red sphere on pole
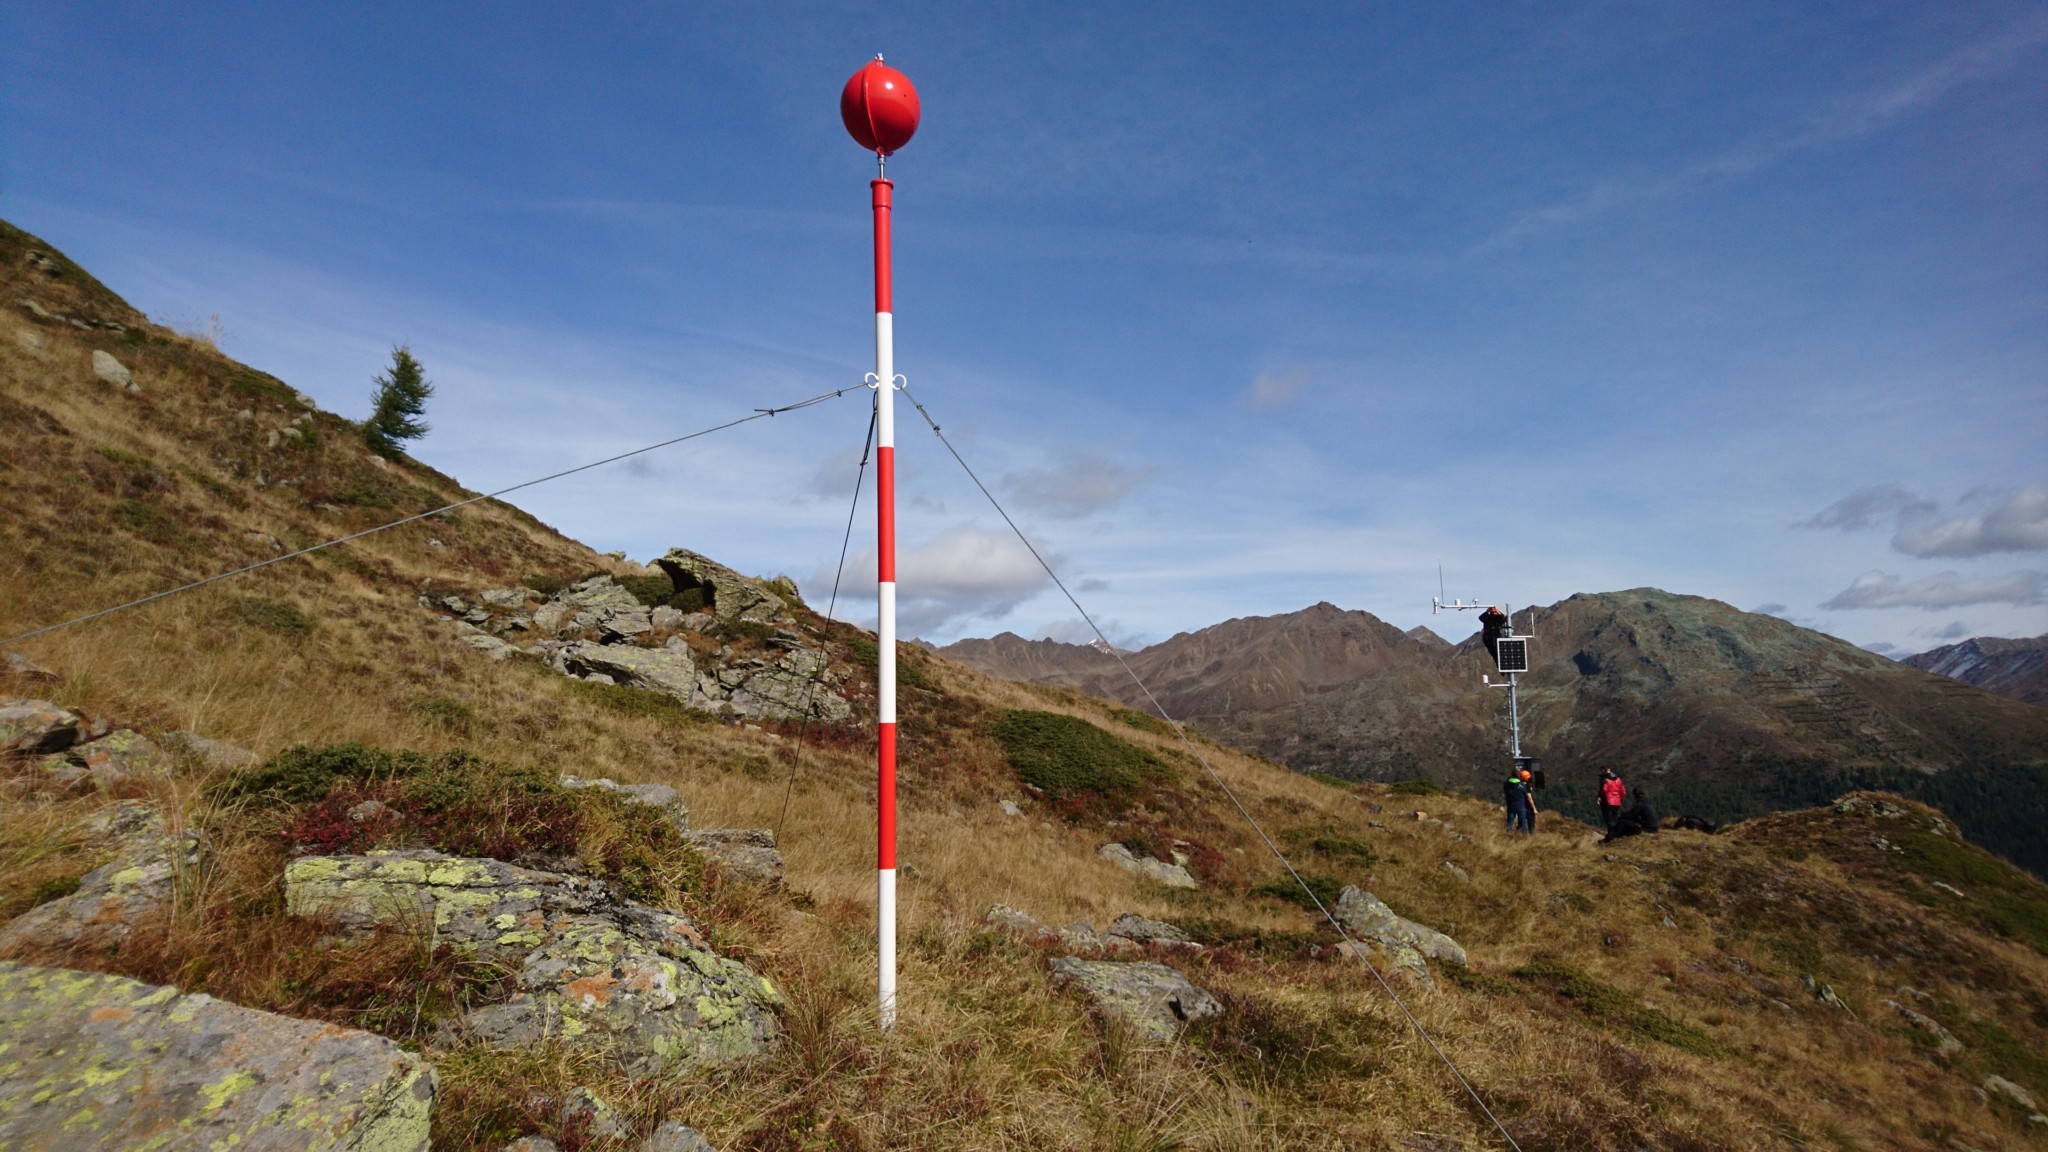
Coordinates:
[879,107]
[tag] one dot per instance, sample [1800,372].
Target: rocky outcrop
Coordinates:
[1133,927]
[1944,1041]
[117,758]
[1154,1000]
[96,1061]
[722,592]
[1157,871]
[743,853]
[38,727]
[592,970]
[113,372]
[1405,943]
[137,886]
[734,651]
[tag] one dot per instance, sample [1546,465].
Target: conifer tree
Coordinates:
[397,405]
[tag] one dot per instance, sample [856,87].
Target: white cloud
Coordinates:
[2015,521]
[1953,630]
[1941,591]
[1273,389]
[959,575]
[1983,522]
[1080,483]
[1770,609]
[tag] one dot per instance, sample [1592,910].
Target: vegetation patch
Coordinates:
[651,590]
[1416,788]
[1265,943]
[148,521]
[1067,758]
[1326,889]
[2002,899]
[1142,721]
[1613,1007]
[627,700]
[351,798]
[277,617]
[1349,849]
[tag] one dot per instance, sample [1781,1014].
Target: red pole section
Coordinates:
[882,189]
[885,629]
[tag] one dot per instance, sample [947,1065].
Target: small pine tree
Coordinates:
[397,405]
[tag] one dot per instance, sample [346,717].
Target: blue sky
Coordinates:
[1240,307]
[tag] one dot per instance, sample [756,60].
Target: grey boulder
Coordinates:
[1153,1000]
[1145,867]
[1407,944]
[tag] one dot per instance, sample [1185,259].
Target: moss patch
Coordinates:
[1613,1007]
[1066,757]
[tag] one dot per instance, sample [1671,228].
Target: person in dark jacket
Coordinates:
[1521,811]
[1634,822]
[1612,790]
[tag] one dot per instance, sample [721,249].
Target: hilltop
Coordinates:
[1852,974]
[1725,714]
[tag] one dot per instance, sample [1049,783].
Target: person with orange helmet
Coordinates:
[1520,797]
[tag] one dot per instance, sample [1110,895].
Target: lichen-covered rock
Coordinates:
[1021,925]
[506,597]
[746,853]
[670,671]
[1131,926]
[596,594]
[1154,1000]
[496,910]
[727,595]
[652,1005]
[660,796]
[37,727]
[96,1061]
[623,624]
[1157,871]
[136,887]
[119,757]
[586,1114]
[1945,1042]
[1407,944]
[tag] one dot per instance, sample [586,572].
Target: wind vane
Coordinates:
[881,112]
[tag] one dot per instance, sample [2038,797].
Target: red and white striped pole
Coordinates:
[881,111]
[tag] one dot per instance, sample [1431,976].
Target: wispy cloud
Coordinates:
[1859,115]
[1941,591]
[1982,523]
[1273,389]
[1081,482]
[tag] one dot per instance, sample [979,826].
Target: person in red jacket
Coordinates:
[1612,790]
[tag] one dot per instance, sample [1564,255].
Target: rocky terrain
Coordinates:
[429,839]
[2015,668]
[1723,714]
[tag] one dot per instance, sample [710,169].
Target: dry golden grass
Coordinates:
[987,1054]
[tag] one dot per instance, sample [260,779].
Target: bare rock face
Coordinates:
[1409,945]
[95,1061]
[666,670]
[727,594]
[747,853]
[1157,871]
[1156,1001]
[116,758]
[137,886]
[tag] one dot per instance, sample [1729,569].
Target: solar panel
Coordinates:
[1512,654]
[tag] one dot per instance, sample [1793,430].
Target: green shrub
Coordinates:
[1613,1007]
[274,616]
[1325,888]
[445,711]
[1416,788]
[1066,756]
[687,600]
[1142,721]
[149,522]
[544,583]
[649,590]
[627,700]
[304,774]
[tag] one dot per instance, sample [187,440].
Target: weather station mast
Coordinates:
[1510,656]
[880,110]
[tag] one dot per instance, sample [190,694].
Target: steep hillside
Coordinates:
[2015,668]
[1849,976]
[1725,714]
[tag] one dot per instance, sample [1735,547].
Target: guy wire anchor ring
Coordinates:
[873,381]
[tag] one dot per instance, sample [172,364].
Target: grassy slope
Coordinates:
[1651,1000]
